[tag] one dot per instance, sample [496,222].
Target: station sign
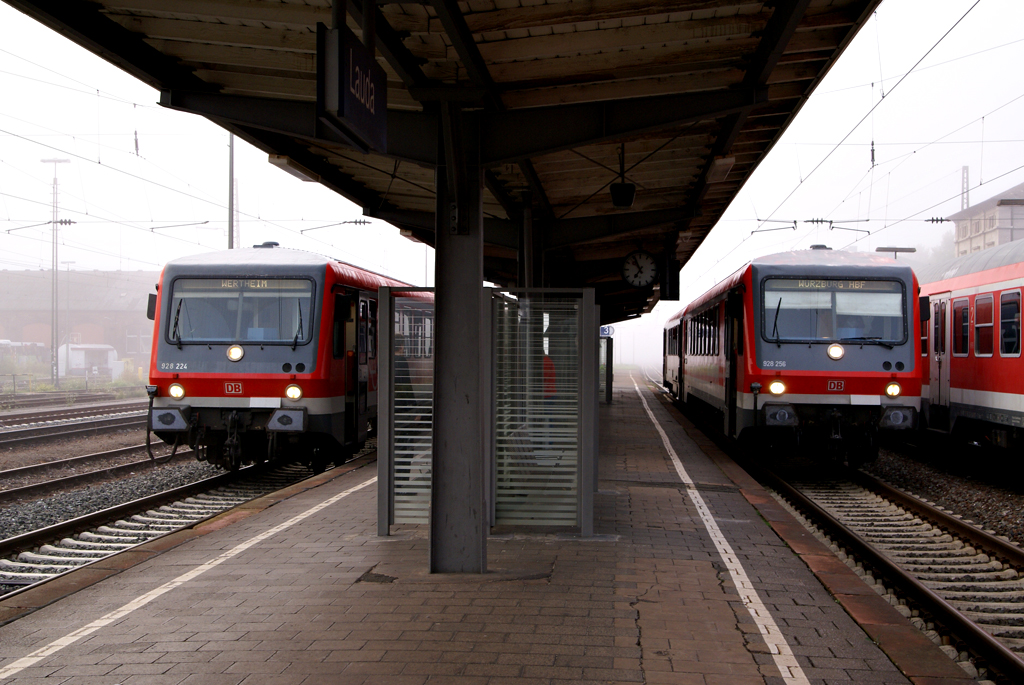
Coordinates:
[352,89]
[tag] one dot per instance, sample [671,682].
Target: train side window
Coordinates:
[983,328]
[1009,324]
[935,329]
[961,327]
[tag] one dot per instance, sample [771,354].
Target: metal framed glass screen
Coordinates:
[405,411]
[542,425]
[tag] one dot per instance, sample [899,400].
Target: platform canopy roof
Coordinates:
[692,93]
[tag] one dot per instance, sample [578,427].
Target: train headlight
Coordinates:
[836,351]
[293,392]
[893,389]
[176,391]
[235,352]
[776,387]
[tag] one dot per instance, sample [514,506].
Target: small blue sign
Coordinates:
[607,331]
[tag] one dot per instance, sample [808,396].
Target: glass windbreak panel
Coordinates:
[537,410]
[823,310]
[413,404]
[226,310]
[1009,323]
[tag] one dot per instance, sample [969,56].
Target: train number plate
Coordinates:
[836,386]
[232,388]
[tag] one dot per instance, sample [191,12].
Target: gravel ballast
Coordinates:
[28,516]
[965,484]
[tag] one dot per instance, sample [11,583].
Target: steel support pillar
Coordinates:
[458,511]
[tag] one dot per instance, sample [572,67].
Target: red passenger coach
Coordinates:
[813,345]
[264,352]
[975,386]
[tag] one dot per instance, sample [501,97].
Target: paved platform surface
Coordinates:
[684,583]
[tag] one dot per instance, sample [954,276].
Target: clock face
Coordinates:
[639,269]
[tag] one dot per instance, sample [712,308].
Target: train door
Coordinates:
[733,350]
[938,381]
[362,368]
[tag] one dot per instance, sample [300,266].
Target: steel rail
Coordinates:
[996,547]
[9,420]
[88,477]
[999,656]
[42,467]
[50,433]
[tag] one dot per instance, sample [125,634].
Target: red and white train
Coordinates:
[815,345]
[265,351]
[975,385]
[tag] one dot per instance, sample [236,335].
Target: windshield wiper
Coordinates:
[870,339]
[298,331]
[775,327]
[175,335]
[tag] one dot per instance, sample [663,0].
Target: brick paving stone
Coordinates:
[647,600]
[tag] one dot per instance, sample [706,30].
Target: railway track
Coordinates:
[38,556]
[965,581]
[25,400]
[10,420]
[38,489]
[20,437]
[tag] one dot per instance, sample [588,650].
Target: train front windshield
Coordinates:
[819,310]
[227,310]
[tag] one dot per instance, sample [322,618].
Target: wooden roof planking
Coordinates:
[563,85]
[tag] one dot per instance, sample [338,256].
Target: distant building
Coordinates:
[996,221]
[87,360]
[93,308]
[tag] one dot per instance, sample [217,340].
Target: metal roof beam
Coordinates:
[499,232]
[280,144]
[516,134]
[568,232]
[462,40]
[389,44]
[412,136]
[83,24]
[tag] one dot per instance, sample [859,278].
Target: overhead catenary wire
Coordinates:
[875,106]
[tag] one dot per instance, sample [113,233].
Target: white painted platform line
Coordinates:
[35,657]
[773,637]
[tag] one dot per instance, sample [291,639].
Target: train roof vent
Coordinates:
[820,247]
[269,243]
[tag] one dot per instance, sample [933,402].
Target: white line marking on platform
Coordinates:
[773,637]
[35,657]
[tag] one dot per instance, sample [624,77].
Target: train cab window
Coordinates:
[269,311]
[805,310]
[1009,324]
[961,327]
[983,327]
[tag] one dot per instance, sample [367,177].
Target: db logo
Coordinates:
[833,386]
[236,388]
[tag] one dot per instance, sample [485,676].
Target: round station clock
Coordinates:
[639,269]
